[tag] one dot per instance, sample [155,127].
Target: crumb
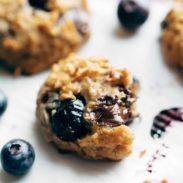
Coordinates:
[149,170]
[164,181]
[165,146]
[147,181]
[142,153]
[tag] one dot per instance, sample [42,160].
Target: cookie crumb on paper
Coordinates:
[162,181]
[142,153]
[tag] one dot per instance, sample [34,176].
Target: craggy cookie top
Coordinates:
[91,77]
[103,88]
[24,22]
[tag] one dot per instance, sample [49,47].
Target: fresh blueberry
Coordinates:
[131,15]
[3,102]
[17,157]
[39,4]
[67,120]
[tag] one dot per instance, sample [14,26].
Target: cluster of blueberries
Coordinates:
[17,156]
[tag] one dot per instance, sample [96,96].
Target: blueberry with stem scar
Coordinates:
[17,157]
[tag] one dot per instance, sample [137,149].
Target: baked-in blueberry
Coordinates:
[17,157]
[67,120]
[82,27]
[39,4]
[131,15]
[164,24]
[3,102]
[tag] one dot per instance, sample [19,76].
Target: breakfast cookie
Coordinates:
[85,106]
[36,33]
[172,36]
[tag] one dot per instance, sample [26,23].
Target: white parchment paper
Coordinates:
[161,87]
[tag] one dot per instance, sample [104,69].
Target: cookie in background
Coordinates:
[35,34]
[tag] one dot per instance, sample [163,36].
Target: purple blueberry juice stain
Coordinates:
[164,119]
[160,123]
[157,155]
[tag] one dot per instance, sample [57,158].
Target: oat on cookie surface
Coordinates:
[35,34]
[85,105]
[172,36]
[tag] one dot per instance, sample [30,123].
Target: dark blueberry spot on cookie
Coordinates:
[79,18]
[51,96]
[164,24]
[135,80]
[12,32]
[45,98]
[112,111]
[125,90]
[17,157]
[108,116]
[107,100]
[81,97]
[82,27]
[26,55]
[67,120]
[39,4]
[136,85]
[126,100]
[109,111]
[131,15]
[129,120]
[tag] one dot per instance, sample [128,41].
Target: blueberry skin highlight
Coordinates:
[17,157]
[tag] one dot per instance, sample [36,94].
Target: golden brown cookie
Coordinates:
[172,36]
[36,33]
[85,106]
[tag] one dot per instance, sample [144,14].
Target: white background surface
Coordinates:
[161,87]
